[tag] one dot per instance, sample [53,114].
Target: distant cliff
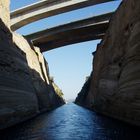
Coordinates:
[114,88]
[25,85]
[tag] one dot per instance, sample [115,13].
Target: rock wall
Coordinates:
[25,85]
[115,82]
[82,95]
[4,12]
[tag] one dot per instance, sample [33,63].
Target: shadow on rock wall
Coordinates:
[23,92]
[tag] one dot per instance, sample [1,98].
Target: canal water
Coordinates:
[71,122]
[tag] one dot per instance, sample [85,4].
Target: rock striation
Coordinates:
[114,88]
[25,85]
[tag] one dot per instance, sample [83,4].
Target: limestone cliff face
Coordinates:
[4,12]
[115,82]
[25,85]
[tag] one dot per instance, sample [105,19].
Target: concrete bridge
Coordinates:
[47,8]
[79,31]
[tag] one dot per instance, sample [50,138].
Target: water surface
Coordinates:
[71,122]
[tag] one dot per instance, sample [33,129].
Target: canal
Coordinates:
[71,122]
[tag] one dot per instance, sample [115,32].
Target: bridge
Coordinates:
[83,30]
[79,31]
[47,8]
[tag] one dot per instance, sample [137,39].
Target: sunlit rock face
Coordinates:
[4,11]
[115,82]
[25,85]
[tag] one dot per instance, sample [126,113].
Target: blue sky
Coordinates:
[71,64]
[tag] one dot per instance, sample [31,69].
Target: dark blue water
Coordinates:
[71,122]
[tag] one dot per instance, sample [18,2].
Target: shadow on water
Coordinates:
[71,122]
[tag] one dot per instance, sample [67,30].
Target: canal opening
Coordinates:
[70,66]
[73,63]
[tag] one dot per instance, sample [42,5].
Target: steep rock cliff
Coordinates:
[25,85]
[115,82]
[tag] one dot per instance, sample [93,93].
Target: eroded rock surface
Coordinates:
[115,82]
[25,86]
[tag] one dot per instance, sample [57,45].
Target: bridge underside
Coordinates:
[79,31]
[68,37]
[84,30]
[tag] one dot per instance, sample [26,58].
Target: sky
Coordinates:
[69,65]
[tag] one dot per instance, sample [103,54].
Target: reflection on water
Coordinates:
[71,122]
